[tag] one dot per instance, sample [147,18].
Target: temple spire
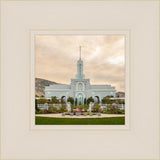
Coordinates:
[80,51]
[80,74]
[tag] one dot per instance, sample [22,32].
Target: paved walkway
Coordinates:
[59,115]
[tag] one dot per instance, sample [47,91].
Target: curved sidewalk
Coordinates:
[59,115]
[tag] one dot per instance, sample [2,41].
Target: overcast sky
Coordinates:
[103,58]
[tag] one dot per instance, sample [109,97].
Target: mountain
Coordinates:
[40,85]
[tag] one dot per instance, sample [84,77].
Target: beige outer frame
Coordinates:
[77,0]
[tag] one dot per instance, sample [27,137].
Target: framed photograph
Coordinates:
[72,99]
[80,79]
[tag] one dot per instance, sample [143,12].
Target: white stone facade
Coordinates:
[79,88]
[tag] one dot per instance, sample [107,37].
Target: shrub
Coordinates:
[107,100]
[42,101]
[72,107]
[52,109]
[39,112]
[121,112]
[96,108]
[88,112]
[63,109]
[81,107]
[113,109]
[86,107]
[54,100]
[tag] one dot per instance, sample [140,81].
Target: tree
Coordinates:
[54,100]
[76,102]
[120,101]
[106,100]
[71,100]
[85,101]
[90,99]
[36,107]
[42,101]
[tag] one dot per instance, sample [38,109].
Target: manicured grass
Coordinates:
[80,121]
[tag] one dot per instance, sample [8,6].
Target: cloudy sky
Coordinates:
[102,55]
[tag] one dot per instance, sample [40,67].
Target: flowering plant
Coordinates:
[113,109]
[45,111]
[96,108]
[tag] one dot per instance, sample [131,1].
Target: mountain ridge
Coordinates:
[40,85]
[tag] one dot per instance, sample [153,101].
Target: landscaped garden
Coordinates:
[52,112]
[84,109]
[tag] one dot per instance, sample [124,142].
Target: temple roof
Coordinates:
[98,86]
[59,86]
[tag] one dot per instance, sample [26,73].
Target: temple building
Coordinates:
[79,88]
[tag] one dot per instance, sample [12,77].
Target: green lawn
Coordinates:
[80,121]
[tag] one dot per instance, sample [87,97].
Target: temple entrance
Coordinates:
[80,99]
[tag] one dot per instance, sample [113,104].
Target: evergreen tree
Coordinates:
[55,100]
[85,101]
[90,99]
[36,107]
[71,100]
[76,102]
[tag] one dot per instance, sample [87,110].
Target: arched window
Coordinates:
[80,87]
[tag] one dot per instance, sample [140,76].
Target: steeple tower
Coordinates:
[80,74]
[80,52]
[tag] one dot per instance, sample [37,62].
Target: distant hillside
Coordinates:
[40,85]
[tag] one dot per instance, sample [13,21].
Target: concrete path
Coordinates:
[59,115]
